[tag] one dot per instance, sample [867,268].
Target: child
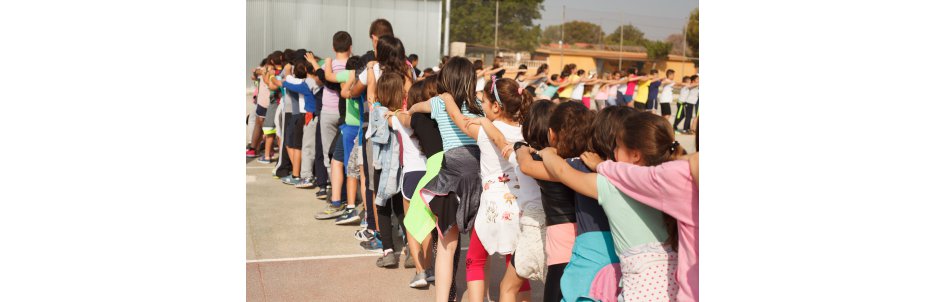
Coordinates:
[460,165]
[642,91]
[414,167]
[680,104]
[671,188]
[260,97]
[599,93]
[651,100]
[349,133]
[613,87]
[665,97]
[593,271]
[641,235]
[503,195]
[569,132]
[268,127]
[390,94]
[550,90]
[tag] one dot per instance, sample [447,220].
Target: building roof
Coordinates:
[602,54]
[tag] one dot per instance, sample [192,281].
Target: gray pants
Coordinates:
[309,140]
[330,121]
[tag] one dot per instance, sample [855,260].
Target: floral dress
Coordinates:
[497,221]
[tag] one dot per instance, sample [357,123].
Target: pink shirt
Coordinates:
[668,188]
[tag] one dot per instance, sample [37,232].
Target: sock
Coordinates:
[350,206]
[336,203]
[387,251]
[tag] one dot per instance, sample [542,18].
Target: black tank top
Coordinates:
[558,201]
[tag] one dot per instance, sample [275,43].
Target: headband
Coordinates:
[495,92]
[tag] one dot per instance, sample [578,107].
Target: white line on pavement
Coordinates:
[319,257]
[312,258]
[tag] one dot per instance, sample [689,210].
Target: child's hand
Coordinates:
[370,65]
[506,151]
[311,59]
[591,160]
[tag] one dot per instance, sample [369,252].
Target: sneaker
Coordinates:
[322,193]
[305,183]
[389,259]
[291,180]
[419,281]
[363,223]
[373,245]
[430,275]
[408,263]
[251,153]
[348,216]
[263,160]
[330,211]
[364,235]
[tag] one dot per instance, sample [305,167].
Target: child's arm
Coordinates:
[422,107]
[668,187]
[371,83]
[580,182]
[484,124]
[531,167]
[346,86]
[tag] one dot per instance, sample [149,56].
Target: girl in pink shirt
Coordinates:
[672,188]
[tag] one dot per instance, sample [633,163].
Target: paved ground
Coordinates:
[293,257]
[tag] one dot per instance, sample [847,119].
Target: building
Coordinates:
[279,24]
[606,60]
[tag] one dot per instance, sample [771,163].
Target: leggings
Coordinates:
[552,284]
[394,206]
[476,259]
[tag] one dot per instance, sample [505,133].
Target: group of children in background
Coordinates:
[583,190]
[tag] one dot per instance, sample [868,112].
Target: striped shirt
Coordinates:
[451,135]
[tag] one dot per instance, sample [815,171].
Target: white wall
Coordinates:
[279,24]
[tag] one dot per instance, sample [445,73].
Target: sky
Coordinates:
[656,18]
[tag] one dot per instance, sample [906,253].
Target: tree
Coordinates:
[677,43]
[474,22]
[691,32]
[657,50]
[631,36]
[574,32]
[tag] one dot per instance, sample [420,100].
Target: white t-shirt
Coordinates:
[480,84]
[363,76]
[529,195]
[492,163]
[413,159]
[301,98]
[683,94]
[666,95]
[578,92]
[692,96]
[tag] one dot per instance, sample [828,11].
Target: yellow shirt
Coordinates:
[642,92]
[569,91]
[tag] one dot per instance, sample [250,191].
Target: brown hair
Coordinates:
[654,138]
[535,124]
[571,124]
[380,28]
[421,91]
[513,100]
[605,127]
[390,92]
[458,78]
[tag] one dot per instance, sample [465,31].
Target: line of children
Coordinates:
[500,162]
